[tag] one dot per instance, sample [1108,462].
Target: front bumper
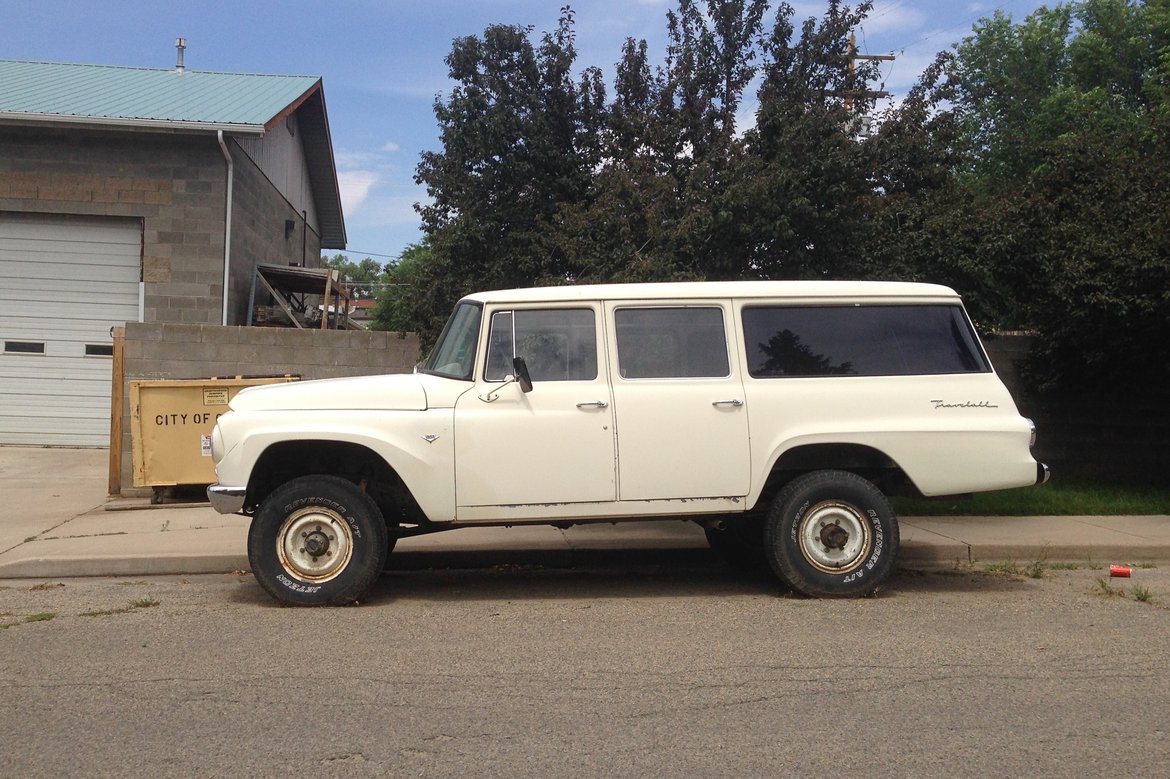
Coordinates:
[225,499]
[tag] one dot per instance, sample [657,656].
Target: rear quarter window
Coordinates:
[894,340]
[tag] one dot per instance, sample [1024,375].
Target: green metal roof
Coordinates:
[180,100]
[145,96]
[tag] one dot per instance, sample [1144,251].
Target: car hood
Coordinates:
[395,392]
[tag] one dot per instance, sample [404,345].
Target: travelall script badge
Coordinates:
[965,404]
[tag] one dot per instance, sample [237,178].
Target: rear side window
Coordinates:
[671,343]
[795,341]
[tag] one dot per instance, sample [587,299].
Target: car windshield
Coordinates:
[454,354]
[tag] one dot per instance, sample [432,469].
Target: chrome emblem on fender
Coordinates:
[430,438]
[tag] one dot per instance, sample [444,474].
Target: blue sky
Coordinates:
[382,63]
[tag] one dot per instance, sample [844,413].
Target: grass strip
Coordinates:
[1053,499]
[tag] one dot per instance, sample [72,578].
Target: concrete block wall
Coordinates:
[259,235]
[175,184]
[178,351]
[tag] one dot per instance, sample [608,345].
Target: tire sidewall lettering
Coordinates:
[296,586]
[346,514]
[875,552]
[800,512]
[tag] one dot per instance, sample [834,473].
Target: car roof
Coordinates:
[694,290]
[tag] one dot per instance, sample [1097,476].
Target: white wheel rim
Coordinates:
[834,537]
[314,544]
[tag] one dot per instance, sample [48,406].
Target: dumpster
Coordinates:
[170,427]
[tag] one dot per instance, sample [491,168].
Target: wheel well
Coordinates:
[288,460]
[865,461]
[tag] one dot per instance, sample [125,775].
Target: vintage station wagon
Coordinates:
[777,414]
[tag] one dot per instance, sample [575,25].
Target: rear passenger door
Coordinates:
[678,400]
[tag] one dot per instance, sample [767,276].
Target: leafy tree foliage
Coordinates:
[362,278]
[801,201]
[402,296]
[1028,169]
[544,179]
[519,138]
[1050,212]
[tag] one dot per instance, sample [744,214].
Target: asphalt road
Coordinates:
[649,670]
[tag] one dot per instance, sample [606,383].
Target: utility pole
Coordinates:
[853,57]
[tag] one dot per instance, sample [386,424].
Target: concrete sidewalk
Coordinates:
[58,523]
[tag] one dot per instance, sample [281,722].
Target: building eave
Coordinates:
[318,145]
[123,123]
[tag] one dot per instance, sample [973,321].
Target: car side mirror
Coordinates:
[520,370]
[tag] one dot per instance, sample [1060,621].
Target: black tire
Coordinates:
[831,534]
[316,541]
[740,542]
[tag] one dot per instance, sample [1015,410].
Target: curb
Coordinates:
[129,565]
[913,556]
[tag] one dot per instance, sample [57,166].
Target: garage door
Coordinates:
[66,282]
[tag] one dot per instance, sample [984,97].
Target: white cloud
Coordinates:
[390,146]
[355,185]
[354,159]
[893,17]
[384,210]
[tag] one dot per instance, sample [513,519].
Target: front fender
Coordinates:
[417,445]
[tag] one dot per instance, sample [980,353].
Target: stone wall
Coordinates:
[173,351]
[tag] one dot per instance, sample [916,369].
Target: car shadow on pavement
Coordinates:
[957,580]
[510,582]
[618,574]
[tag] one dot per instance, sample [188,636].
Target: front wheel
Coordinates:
[831,534]
[317,540]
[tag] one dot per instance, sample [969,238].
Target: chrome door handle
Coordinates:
[732,402]
[593,404]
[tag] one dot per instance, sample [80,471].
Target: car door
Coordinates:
[678,401]
[552,445]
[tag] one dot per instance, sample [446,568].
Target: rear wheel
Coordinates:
[317,540]
[831,534]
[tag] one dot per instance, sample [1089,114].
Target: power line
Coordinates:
[367,254]
[853,57]
[1011,6]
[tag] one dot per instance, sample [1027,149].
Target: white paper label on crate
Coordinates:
[205,444]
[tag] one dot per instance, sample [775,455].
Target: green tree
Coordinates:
[668,154]
[796,207]
[925,220]
[361,278]
[1030,170]
[519,138]
[403,302]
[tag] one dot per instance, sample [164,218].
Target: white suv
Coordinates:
[777,414]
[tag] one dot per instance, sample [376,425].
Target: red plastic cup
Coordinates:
[1120,570]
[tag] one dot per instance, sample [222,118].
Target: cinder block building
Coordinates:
[142,195]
